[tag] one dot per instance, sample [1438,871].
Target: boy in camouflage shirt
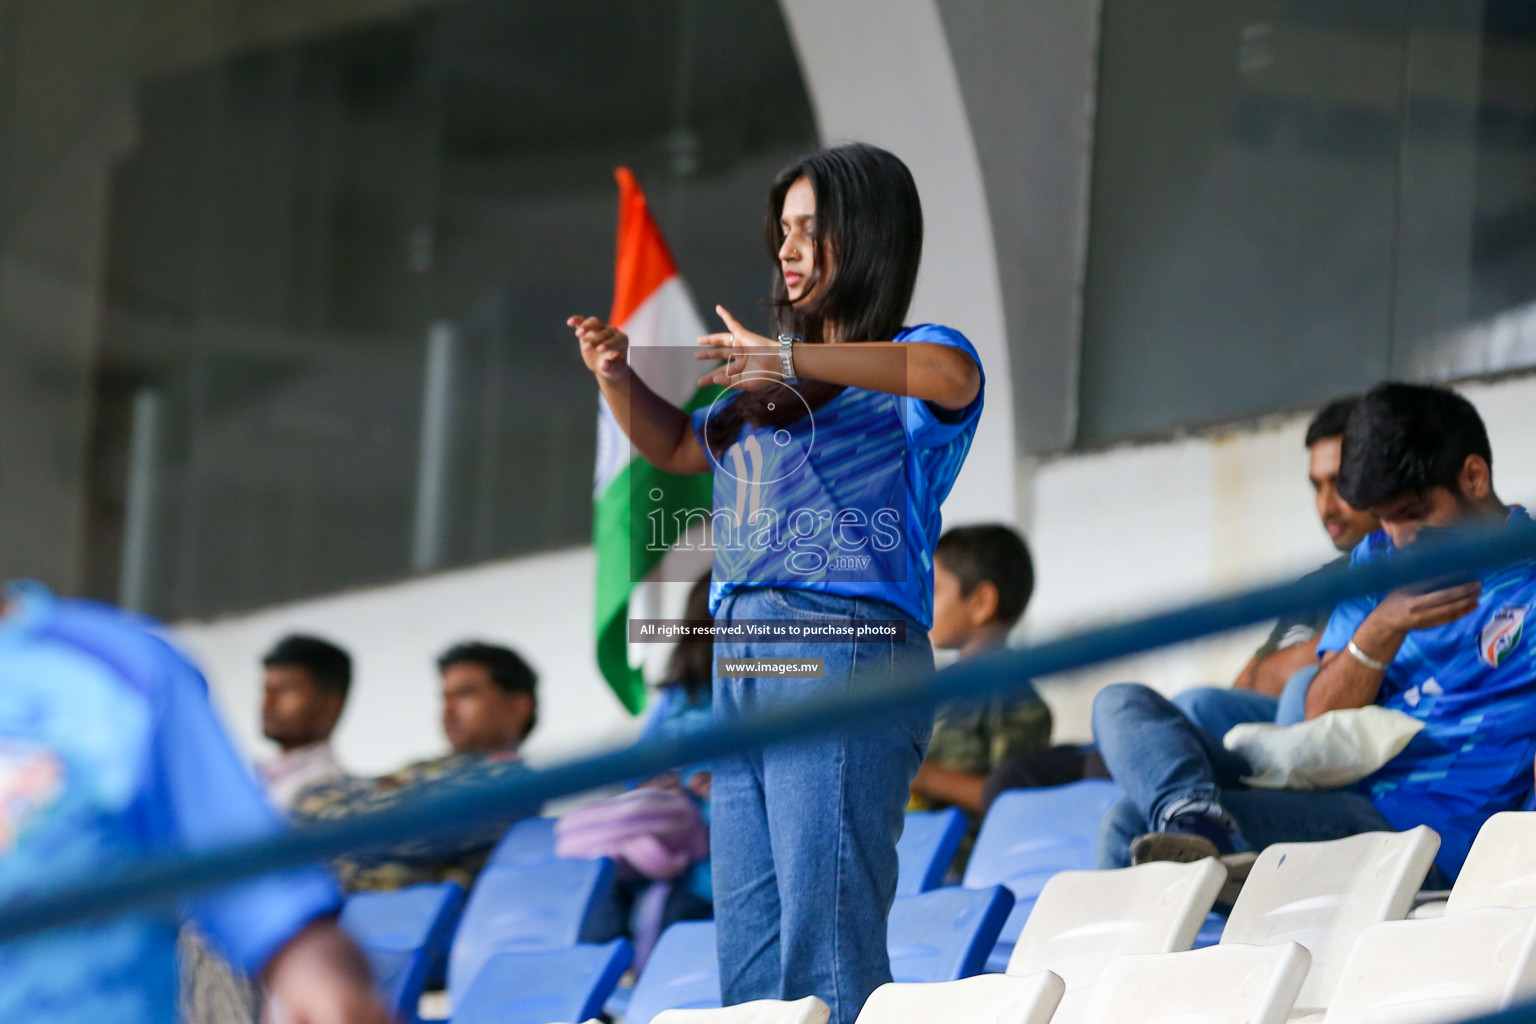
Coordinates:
[983,578]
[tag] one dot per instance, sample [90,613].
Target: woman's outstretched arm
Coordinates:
[942,374]
[656,427]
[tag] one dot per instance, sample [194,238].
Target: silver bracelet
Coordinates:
[1363,658]
[787,344]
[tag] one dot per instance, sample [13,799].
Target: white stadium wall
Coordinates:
[541,606]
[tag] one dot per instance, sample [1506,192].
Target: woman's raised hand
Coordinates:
[604,348]
[751,360]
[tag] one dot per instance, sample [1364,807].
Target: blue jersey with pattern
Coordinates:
[1472,683]
[844,500]
[109,752]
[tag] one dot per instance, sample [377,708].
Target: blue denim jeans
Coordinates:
[1216,709]
[803,834]
[1165,763]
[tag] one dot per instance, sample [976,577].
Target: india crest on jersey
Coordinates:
[1501,636]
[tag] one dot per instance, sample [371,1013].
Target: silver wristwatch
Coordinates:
[787,344]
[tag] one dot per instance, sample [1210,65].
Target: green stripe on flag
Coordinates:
[616,522]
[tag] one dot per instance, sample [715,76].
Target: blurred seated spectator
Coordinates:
[304,690]
[109,752]
[1449,654]
[490,705]
[658,833]
[1054,766]
[983,578]
[1272,687]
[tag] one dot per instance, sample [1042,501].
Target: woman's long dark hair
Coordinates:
[869,241]
[692,665]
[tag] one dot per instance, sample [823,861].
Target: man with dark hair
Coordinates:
[1450,656]
[983,579]
[304,690]
[490,699]
[1272,687]
[490,705]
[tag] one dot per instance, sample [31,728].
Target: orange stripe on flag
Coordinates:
[644,262]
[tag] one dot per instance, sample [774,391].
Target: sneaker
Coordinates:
[1196,837]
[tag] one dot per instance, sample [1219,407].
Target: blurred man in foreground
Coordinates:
[304,691]
[490,705]
[1451,655]
[110,752]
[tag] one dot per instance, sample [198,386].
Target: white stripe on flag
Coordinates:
[666,317]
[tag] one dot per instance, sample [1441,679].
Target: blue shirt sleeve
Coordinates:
[1348,615]
[1346,618]
[929,425]
[207,799]
[696,422]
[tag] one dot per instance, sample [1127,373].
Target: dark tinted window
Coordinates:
[337,272]
[1293,200]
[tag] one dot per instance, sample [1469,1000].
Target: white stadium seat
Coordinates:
[1437,971]
[984,999]
[1500,870]
[1084,919]
[1323,895]
[1225,984]
[809,1010]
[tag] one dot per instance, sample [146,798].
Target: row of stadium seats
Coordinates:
[528,901]
[1318,934]
[521,951]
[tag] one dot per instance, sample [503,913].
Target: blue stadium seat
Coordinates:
[402,933]
[929,841]
[1210,932]
[1027,836]
[683,973]
[547,905]
[946,934]
[535,988]
[942,935]
[530,841]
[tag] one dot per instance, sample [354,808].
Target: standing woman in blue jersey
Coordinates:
[831,450]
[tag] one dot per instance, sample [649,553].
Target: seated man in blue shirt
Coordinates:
[1451,656]
[110,752]
[1272,687]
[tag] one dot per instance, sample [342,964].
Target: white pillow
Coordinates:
[1332,750]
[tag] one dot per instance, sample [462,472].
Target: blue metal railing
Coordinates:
[159,881]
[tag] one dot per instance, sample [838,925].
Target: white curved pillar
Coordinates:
[880,71]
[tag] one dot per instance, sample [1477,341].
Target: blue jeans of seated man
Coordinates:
[1165,763]
[803,834]
[1216,709]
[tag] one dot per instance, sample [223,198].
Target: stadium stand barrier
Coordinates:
[160,881]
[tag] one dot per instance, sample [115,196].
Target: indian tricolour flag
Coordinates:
[652,305]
